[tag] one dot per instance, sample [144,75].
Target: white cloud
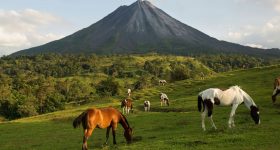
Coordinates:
[276,4]
[266,35]
[26,28]
[255,45]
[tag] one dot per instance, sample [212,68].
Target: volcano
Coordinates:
[142,28]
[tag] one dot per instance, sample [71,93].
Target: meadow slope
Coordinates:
[174,127]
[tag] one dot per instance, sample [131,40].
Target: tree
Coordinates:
[108,87]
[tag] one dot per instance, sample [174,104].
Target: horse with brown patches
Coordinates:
[126,105]
[102,118]
[163,99]
[233,96]
[276,88]
[162,82]
[147,105]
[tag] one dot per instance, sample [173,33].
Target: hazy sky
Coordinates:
[28,23]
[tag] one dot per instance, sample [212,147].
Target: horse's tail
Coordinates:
[276,83]
[82,118]
[200,103]
[167,102]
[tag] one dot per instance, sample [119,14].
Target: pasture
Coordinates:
[175,127]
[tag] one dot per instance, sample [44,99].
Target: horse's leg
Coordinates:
[87,133]
[274,94]
[203,114]
[212,122]
[107,134]
[231,117]
[114,128]
[161,102]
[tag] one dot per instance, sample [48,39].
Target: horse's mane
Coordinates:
[247,96]
[236,87]
[125,120]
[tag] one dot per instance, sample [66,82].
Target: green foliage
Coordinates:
[53,103]
[143,82]
[108,87]
[223,62]
[154,67]
[32,85]
[180,72]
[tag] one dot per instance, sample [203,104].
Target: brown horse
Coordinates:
[276,89]
[102,118]
[126,105]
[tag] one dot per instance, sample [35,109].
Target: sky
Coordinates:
[29,23]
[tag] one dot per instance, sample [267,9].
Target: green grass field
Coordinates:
[174,127]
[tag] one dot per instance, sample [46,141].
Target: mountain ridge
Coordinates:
[140,28]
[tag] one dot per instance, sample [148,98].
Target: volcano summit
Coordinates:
[142,28]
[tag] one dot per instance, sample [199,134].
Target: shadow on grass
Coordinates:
[63,119]
[136,139]
[164,109]
[190,143]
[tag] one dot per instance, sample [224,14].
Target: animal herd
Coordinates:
[110,117]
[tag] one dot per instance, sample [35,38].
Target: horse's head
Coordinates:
[128,135]
[255,113]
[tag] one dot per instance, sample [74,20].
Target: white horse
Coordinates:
[233,96]
[164,99]
[147,105]
[129,92]
[161,82]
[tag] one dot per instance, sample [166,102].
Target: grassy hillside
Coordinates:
[174,127]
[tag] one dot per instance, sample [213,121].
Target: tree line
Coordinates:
[32,85]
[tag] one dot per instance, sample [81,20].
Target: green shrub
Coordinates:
[108,87]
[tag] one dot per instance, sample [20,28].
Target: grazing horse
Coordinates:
[102,118]
[128,92]
[147,105]
[276,90]
[161,82]
[126,105]
[233,96]
[164,99]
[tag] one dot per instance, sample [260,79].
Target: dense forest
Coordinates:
[32,85]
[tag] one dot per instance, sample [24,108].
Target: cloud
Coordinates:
[255,45]
[266,35]
[25,28]
[276,4]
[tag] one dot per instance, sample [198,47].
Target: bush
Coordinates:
[53,103]
[180,72]
[142,83]
[108,87]
[9,109]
